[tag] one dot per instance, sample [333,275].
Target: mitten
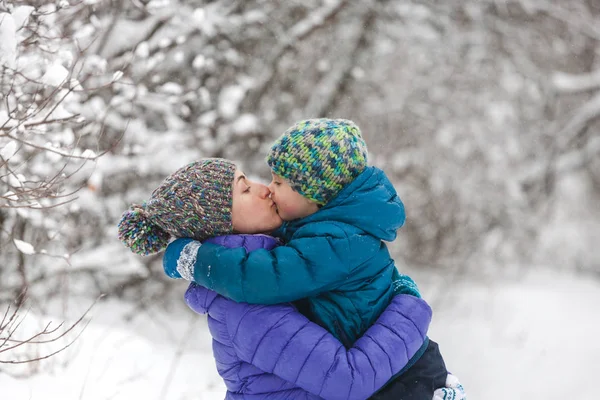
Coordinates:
[453,390]
[180,259]
[403,284]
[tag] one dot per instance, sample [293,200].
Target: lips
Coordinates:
[276,209]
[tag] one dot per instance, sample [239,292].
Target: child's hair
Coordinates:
[319,157]
[195,202]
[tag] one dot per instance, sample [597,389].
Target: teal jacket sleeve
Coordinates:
[305,267]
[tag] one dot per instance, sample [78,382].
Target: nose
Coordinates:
[263,191]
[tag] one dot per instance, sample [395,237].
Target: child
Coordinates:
[211,197]
[335,264]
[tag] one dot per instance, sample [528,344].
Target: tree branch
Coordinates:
[563,160]
[44,333]
[577,125]
[329,88]
[296,33]
[569,83]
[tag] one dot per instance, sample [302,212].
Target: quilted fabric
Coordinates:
[274,352]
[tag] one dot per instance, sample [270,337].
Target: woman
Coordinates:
[266,352]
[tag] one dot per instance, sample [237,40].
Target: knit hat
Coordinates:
[194,202]
[319,157]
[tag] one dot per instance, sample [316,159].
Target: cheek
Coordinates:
[242,215]
[287,208]
[263,217]
[279,197]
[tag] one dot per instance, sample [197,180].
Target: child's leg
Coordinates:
[420,381]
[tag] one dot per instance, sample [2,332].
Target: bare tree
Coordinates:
[18,345]
[47,146]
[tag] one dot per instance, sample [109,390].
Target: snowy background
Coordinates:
[483,113]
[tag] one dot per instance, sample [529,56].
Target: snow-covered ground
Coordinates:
[529,338]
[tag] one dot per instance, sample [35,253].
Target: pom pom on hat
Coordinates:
[137,232]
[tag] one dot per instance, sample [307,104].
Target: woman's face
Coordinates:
[252,211]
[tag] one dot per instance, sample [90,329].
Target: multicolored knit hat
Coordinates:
[194,202]
[319,157]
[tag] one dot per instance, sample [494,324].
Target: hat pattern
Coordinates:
[319,157]
[193,202]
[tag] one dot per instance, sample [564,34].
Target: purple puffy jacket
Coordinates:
[275,352]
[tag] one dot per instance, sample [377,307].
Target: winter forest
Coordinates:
[484,113]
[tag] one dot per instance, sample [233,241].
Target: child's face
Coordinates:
[252,210]
[290,204]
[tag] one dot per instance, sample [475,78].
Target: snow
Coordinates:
[8,40]
[171,88]
[532,336]
[230,99]
[24,247]
[10,195]
[572,231]
[87,153]
[119,362]
[55,75]
[117,75]
[199,61]
[127,34]
[142,50]
[245,125]
[8,150]
[21,15]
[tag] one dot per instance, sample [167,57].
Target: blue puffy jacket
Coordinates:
[274,352]
[335,260]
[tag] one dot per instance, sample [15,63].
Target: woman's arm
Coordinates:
[280,340]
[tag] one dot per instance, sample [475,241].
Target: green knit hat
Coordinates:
[193,202]
[319,157]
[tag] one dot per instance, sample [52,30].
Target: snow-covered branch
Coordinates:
[329,87]
[296,33]
[576,126]
[565,159]
[576,20]
[569,83]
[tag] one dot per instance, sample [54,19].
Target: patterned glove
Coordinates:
[453,390]
[180,259]
[403,284]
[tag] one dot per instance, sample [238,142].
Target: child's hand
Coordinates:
[403,284]
[180,258]
[453,390]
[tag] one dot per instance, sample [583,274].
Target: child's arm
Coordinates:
[288,345]
[304,267]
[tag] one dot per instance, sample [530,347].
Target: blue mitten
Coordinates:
[403,284]
[180,259]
